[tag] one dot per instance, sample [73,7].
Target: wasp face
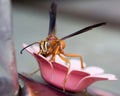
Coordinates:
[47,45]
[43,46]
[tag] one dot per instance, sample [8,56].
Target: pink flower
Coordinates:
[78,79]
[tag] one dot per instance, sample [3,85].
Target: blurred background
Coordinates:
[99,47]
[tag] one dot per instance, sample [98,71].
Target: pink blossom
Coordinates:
[78,79]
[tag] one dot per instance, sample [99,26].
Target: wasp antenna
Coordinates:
[84,30]
[52,14]
[28,46]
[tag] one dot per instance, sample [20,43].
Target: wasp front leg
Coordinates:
[74,55]
[69,65]
[65,60]
[40,49]
[54,53]
[39,52]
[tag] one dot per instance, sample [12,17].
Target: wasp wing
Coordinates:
[52,14]
[83,30]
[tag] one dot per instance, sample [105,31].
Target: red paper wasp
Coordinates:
[53,45]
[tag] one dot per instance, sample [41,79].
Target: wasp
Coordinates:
[53,46]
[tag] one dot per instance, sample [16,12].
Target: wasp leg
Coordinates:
[30,74]
[40,51]
[54,53]
[69,64]
[64,59]
[34,72]
[75,55]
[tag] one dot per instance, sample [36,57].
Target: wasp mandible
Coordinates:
[53,45]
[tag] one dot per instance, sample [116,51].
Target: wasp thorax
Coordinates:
[51,41]
[51,37]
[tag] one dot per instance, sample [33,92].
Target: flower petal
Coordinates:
[52,72]
[76,64]
[85,82]
[45,66]
[93,70]
[108,76]
[59,74]
[74,78]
